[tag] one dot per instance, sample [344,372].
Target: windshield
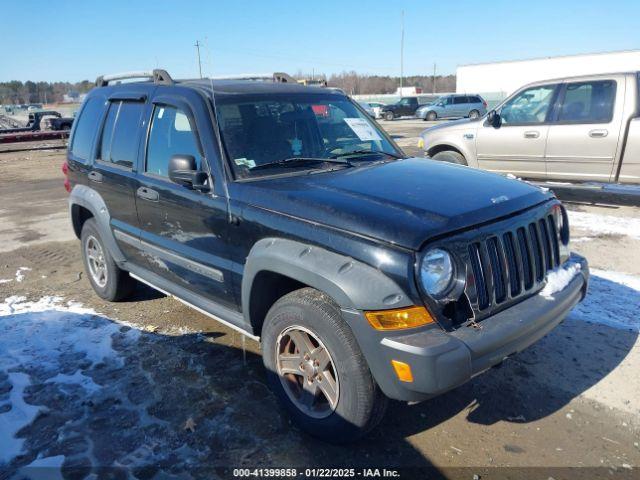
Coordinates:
[261,131]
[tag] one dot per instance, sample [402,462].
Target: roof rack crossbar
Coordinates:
[158,75]
[278,77]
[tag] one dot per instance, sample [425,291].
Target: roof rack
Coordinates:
[277,77]
[158,75]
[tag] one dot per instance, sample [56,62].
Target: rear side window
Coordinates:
[475,100]
[588,102]
[88,123]
[119,141]
[171,134]
[460,100]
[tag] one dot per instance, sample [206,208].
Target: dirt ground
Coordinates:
[571,400]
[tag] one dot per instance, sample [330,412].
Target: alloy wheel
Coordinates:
[307,372]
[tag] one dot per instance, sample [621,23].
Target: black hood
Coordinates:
[404,202]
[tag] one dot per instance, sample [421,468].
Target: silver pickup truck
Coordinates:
[583,129]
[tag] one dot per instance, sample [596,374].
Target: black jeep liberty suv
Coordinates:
[286,213]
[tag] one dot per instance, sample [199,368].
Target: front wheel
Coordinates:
[431,116]
[316,369]
[451,157]
[388,116]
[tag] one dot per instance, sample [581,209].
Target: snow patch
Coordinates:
[559,278]
[5,280]
[581,239]
[613,299]
[605,224]
[20,273]
[34,337]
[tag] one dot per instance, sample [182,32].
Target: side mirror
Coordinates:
[183,171]
[493,119]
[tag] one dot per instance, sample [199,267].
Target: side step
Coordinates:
[601,193]
[230,318]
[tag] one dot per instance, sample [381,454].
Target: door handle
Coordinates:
[598,133]
[95,176]
[147,194]
[531,134]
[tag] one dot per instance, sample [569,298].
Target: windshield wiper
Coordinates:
[293,161]
[365,152]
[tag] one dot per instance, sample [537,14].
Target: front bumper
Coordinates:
[443,360]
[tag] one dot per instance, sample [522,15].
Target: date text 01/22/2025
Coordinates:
[316,472]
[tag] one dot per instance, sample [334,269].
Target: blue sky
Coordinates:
[71,41]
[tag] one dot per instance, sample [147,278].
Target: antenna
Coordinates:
[216,121]
[197,45]
[401,52]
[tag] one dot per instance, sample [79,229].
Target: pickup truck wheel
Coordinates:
[451,157]
[316,369]
[474,114]
[431,116]
[388,116]
[107,279]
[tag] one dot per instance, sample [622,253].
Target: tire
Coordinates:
[359,404]
[431,116]
[388,116]
[474,114]
[450,156]
[108,280]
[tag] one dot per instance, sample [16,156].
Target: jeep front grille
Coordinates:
[512,263]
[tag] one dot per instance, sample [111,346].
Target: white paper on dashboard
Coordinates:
[362,129]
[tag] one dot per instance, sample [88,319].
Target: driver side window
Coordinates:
[528,107]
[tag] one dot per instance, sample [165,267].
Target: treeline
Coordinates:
[357,84]
[17,92]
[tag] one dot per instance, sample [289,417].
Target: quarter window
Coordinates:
[88,123]
[171,134]
[119,141]
[529,106]
[588,102]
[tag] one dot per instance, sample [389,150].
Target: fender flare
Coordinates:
[350,283]
[91,200]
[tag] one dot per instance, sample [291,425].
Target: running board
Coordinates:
[602,193]
[234,320]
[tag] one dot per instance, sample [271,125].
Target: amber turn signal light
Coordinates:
[403,371]
[399,318]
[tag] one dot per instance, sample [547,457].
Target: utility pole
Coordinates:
[401,52]
[434,77]
[197,45]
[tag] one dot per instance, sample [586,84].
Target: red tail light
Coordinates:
[65,170]
[484,103]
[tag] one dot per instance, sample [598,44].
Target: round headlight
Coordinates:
[436,272]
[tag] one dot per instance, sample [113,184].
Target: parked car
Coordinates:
[576,129]
[364,274]
[377,108]
[453,106]
[367,108]
[406,106]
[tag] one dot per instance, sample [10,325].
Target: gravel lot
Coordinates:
[152,389]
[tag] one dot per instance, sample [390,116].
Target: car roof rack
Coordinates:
[158,75]
[277,77]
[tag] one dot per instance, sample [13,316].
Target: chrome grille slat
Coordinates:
[514,262]
[478,273]
[553,233]
[496,258]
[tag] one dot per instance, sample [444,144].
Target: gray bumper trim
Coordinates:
[441,361]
